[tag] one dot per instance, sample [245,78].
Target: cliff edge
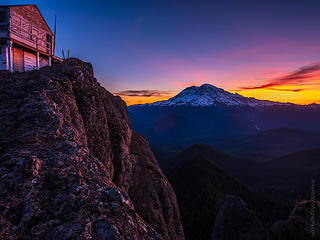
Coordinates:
[72,167]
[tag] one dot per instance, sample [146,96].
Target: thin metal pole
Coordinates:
[54,36]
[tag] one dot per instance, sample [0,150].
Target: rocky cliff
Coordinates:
[72,167]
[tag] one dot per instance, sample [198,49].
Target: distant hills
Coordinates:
[291,175]
[286,177]
[201,183]
[272,143]
[203,177]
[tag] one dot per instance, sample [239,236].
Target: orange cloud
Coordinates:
[132,97]
[287,90]
[142,93]
[308,75]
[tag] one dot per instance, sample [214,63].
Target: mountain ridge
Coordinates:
[200,165]
[272,143]
[209,95]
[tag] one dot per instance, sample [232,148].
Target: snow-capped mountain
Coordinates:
[208,113]
[208,95]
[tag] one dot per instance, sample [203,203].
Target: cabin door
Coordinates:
[18,60]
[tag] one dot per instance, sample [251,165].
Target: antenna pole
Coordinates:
[54,35]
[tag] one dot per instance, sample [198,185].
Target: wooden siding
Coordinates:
[31,14]
[30,61]
[26,30]
[43,62]
[18,60]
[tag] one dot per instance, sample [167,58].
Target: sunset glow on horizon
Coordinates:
[300,87]
[302,98]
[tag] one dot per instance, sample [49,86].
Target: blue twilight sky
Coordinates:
[167,45]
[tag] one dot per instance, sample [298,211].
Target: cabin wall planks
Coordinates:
[18,60]
[44,62]
[30,61]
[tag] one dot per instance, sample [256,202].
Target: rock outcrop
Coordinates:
[71,167]
[151,192]
[236,221]
[302,224]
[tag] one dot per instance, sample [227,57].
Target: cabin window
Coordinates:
[49,38]
[3,16]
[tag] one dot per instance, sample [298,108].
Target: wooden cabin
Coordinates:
[26,41]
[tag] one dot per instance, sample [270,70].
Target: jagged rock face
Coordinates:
[303,222]
[64,143]
[151,192]
[236,221]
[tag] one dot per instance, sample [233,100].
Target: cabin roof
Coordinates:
[30,5]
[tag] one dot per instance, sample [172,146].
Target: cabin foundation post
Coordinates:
[50,61]
[37,60]
[10,56]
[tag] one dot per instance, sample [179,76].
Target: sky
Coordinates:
[147,51]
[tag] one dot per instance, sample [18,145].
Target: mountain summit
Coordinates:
[209,95]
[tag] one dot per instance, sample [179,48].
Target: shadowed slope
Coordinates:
[201,186]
